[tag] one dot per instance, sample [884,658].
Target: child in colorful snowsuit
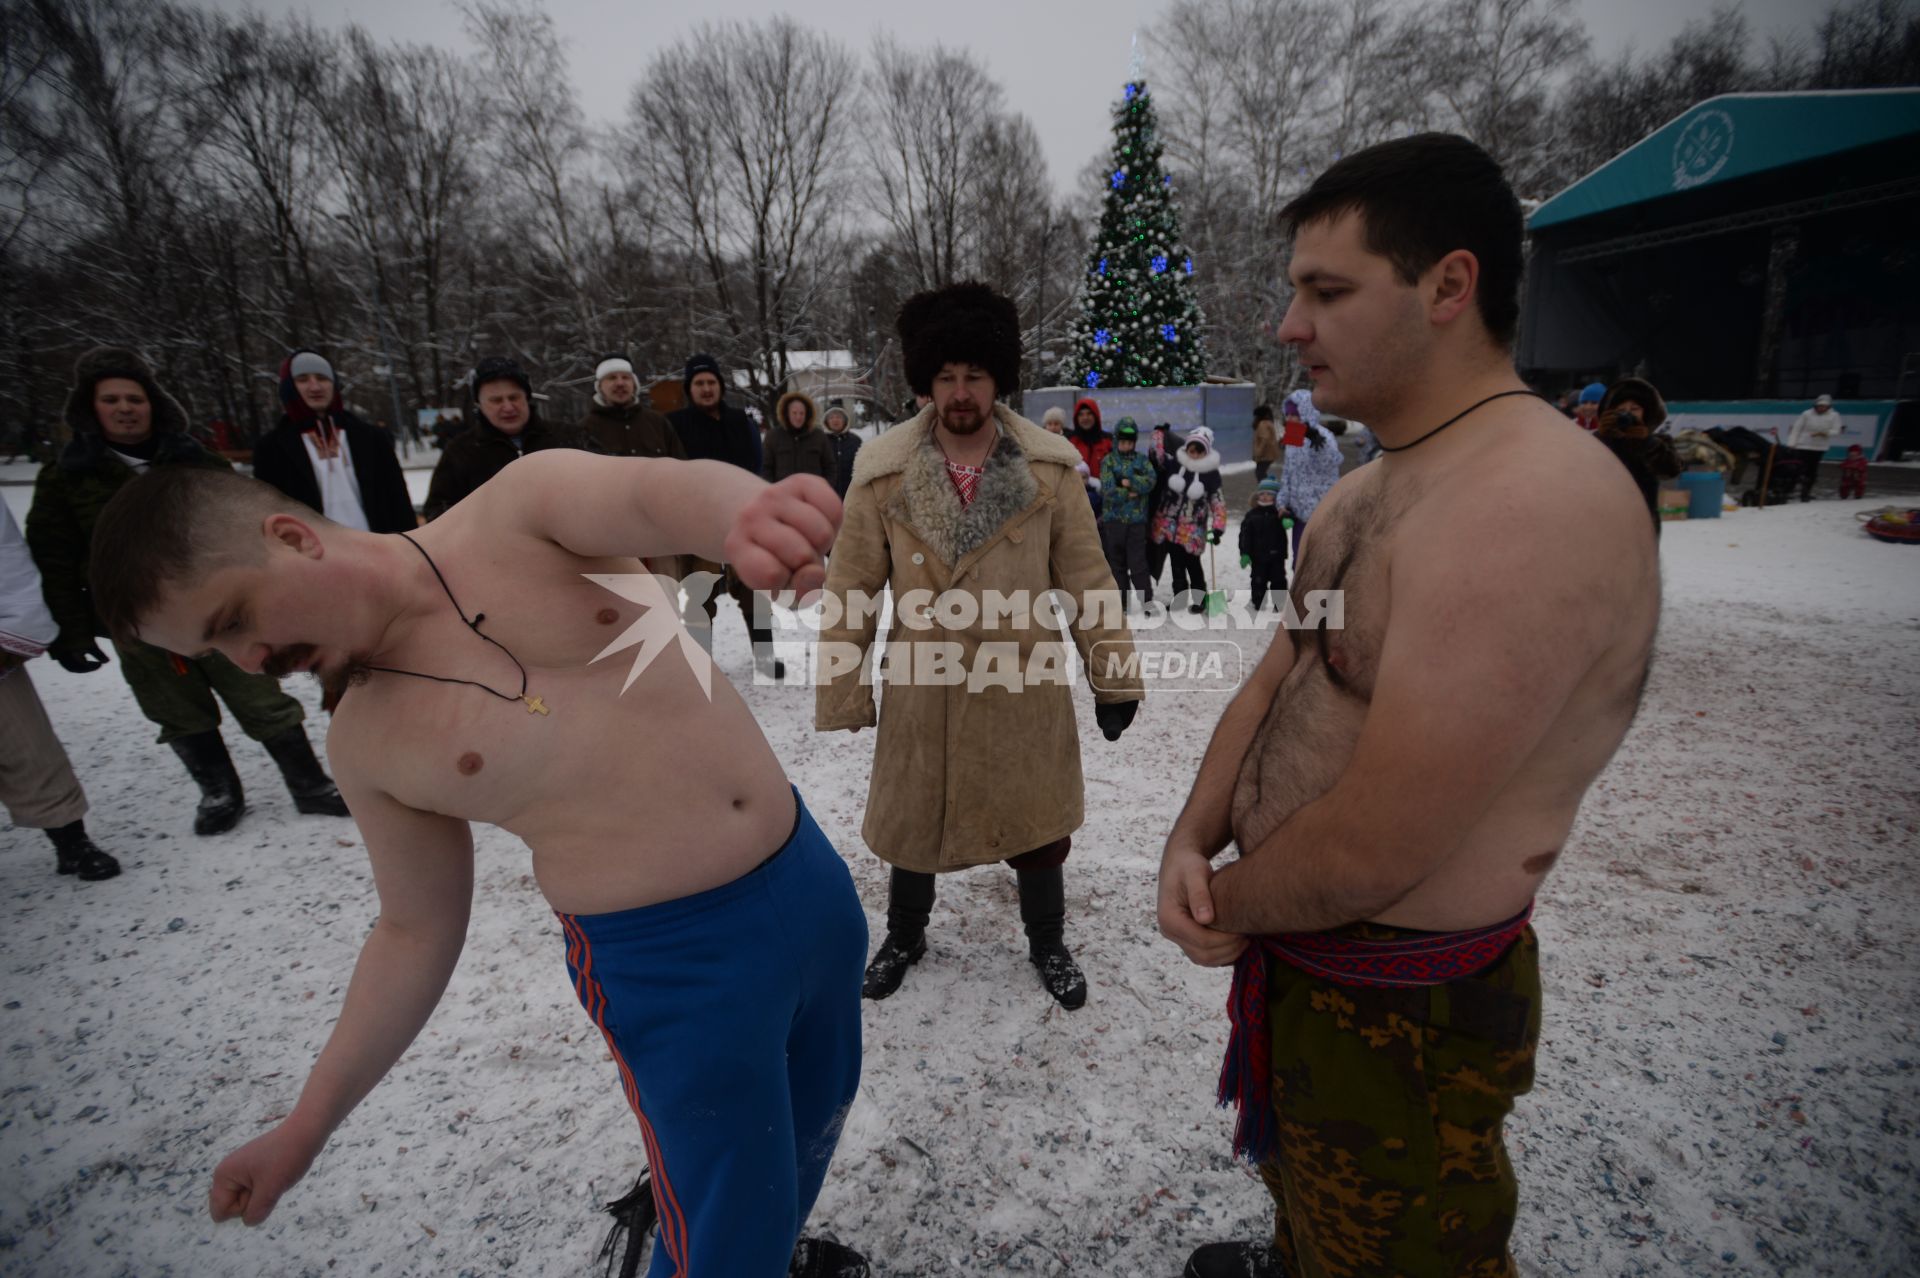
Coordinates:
[1263,544]
[1192,515]
[1127,481]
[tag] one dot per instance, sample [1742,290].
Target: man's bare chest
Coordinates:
[1344,567]
[486,709]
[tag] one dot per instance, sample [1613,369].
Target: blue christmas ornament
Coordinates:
[1189,265]
[1103,266]
[1119,178]
[1101,337]
[1093,380]
[1132,90]
[1159,263]
[1169,332]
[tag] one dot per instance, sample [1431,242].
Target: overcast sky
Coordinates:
[1061,61]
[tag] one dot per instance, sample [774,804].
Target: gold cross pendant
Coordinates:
[535,705]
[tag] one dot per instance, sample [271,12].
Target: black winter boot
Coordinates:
[909,906]
[1043,908]
[820,1258]
[221,799]
[1235,1260]
[312,789]
[79,856]
[760,639]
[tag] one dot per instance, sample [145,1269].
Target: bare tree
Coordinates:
[542,148]
[928,111]
[1493,64]
[257,88]
[1375,89]
[401,126]
[1868,44]
[744,124]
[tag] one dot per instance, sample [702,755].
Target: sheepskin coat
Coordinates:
[968,776]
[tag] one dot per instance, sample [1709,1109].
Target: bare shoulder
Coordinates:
[354,736]
[1534,476]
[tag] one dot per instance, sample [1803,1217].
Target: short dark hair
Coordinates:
[174,524]
[1421,198]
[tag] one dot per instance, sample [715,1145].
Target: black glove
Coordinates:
[1213,537]
[1114,716]
[82,658]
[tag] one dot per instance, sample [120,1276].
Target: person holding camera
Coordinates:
[1630,414]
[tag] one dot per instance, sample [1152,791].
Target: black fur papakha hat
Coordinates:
[966,323]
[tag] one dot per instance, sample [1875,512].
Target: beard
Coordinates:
[962,420]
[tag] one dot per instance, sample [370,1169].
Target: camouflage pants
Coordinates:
[182,702]
[1390,1105]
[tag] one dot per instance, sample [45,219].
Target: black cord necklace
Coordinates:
[1401,448]
[534,704]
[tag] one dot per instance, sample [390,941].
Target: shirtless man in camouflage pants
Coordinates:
[1398,788]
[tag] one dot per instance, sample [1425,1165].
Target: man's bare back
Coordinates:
[626,799]
[1520,455]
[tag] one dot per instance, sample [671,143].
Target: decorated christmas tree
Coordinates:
[1139,324]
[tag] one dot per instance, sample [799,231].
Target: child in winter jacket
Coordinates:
[1093,444]
[1192,515]
[1127,481]
[1160,453]
[1263,543]
[1853,473]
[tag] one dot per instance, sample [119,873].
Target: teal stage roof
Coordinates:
[1736,136]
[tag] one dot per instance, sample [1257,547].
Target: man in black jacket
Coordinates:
[506,426]
[711,428]
[323,455]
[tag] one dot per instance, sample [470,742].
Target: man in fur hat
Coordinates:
[968,502]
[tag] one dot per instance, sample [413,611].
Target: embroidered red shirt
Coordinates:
[966,479]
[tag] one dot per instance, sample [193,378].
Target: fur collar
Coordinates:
[1202,465]
[926,499]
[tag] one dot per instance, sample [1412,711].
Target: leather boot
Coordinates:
[909,906]
[823,1258]
[1235,1260]
[208,763]
[79,856]
[313,791]
[1043,908]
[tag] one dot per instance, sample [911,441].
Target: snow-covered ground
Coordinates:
[1726,1083]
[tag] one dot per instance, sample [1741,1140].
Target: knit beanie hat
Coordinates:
[1593,393]
[498,368]
[1267,485]
[610,364]
[296,363]
[702,363]
[304,362]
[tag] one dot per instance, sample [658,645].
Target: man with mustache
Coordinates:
[964,502]
[712,933]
